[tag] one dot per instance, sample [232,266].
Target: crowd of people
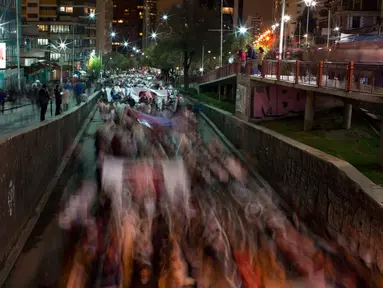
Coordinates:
[250,55]
[172,208]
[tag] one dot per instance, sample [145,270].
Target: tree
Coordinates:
[187,30]
[164,55]
[115,61]
[94,67]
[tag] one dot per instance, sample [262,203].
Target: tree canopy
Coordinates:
[94,67]
[115,60]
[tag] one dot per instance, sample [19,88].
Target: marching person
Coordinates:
[58,100]
[44,98]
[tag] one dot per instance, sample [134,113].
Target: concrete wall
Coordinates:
[29,160]
[275,100]
[328,193]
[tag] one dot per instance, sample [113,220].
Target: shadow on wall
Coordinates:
[277,101]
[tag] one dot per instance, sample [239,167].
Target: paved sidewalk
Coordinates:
[26,115]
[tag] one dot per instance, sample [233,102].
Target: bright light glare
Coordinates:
[305,35]
[154,35]
[126,44]
[201,69]
[113,34]
[93,53]
[286,18]
[310,3]
[336,28]
[134,48]
[92,15]
[165,17]
[242,30]
[62,45]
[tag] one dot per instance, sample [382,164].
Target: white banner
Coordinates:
[3,51]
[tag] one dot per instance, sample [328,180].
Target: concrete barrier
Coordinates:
[29,160]
[328,193]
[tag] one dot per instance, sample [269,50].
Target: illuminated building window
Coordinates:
[141,33]
[126,10]
[114,6]
[140,13]
[42,42]
[120,21]
[66,9]
[42,28]
[114,21]
[140,7]
[227,10]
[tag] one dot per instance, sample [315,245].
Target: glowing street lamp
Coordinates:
[154,35]
[336,29]
[165,17]
[201,69]
[126,44]
[286,18]
[92,15]
[113,34]
[134,48]
[309,3]
[242,30]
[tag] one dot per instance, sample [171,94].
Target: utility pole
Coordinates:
[203,55]
[221,48]
[281,32]
[73,26]
[18,27]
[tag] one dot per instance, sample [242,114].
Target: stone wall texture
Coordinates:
[29,160]
[328,193]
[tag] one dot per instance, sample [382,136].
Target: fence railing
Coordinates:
[347,76]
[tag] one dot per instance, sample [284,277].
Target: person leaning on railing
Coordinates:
[261,56]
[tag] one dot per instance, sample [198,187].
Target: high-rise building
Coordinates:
[104,13]
[128,19]
[259,8]
[358,16]
[8,36]
[78,24]
[150,19]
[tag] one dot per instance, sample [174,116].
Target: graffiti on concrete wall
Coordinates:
[11,198]
[274,101]
[240,105]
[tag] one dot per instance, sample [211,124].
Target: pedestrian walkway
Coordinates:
[26,115]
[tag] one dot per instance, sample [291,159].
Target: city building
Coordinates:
[357,16]
[64,32]
[8,40]
[104,15]
[128,20]
[150,19]
[260,8]
[255,24]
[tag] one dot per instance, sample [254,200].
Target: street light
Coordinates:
[134,48]
[113,34]
[92,15]
[286,18]
[165,17]
[242,30]
[62,46]
[309,3]
[126,44]
[154,35]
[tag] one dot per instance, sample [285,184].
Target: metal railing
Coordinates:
[346,76]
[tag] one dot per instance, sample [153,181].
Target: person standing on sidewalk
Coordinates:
[261,56]
[58,100]
[78,90]
[66,99]
[3,98]
[44,100]
[89,87]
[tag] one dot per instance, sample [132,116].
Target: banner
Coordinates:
[3,51]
